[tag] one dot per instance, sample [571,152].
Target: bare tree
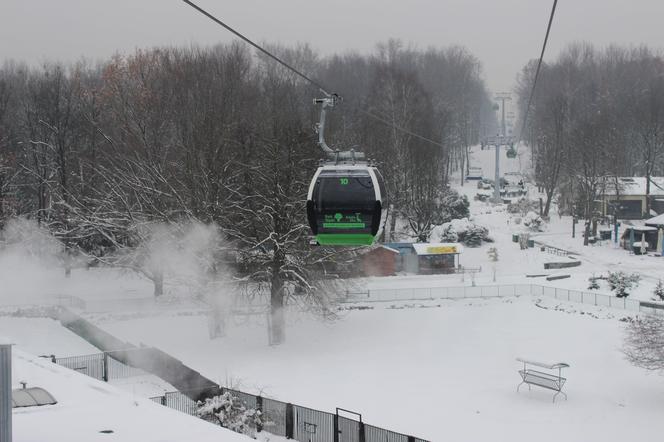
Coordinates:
[644,342]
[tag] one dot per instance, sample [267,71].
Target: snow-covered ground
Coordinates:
[441,370]
[514,263]
[87,410]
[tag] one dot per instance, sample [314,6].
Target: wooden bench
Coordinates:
[551,381]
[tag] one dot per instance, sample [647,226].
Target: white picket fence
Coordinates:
[503,290]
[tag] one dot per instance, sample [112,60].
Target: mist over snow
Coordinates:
[32,264]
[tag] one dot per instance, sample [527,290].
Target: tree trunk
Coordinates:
[547,206]
[393,222]
[277,326]
[647,194]
[158,281]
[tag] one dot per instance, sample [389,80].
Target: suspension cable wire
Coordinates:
[305,77]
[255,45]
[537,71]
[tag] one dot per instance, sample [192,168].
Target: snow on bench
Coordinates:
[542,379]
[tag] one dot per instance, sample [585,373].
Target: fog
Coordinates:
[503,35]
[32,265]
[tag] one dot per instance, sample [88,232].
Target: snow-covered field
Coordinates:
[439,370]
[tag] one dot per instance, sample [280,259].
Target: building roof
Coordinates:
[656,221]
[438,248]
[87,408]
[635,186]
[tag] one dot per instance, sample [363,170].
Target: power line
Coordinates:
[539,65]
[305,77]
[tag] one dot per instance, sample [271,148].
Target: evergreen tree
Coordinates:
[659,291]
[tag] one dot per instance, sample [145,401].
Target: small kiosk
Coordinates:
[437,258]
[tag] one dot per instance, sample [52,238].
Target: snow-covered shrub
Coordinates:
[659,291]
[229,412]
[523,206]
[533,221]
[454,206]
[621,283]
[464,231]
[592,283]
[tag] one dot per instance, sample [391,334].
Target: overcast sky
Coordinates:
[503,34]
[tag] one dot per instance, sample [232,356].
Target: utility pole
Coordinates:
[503,96]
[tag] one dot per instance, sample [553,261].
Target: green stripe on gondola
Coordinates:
[344,225]
[345,239]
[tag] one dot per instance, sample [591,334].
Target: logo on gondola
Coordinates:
[338,216]
[343,181]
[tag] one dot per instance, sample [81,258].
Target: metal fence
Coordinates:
[279,418]
[294,421]
[100,366]
[503,290]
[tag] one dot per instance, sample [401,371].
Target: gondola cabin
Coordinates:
[346,205]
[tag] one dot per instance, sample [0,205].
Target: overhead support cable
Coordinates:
[537,71]
[322,88]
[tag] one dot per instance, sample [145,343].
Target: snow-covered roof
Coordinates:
[438,248]
[86,407]
[656,221]
[634,186]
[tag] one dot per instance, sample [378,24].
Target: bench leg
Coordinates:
[559,392]
[522,382]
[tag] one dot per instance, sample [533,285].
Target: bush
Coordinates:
[593,284]
[659,291]
[533,221]
[454,206]
[229,412]
[523,206]
[463,231]
[621,283]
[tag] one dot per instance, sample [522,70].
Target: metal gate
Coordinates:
[313,425]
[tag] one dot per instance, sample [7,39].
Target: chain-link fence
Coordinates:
[503,290]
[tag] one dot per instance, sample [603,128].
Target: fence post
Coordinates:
[104,367]
[290,421]
[363,436]
[335,427]
[259,408]
[163,400]
[411,438]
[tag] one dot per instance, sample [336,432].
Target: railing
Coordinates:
[503,290]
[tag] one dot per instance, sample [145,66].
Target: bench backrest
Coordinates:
[545,380]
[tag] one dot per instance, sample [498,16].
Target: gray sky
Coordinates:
[503,34]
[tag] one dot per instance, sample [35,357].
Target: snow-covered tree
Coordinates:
[493,257]
[592,283]
[644,342]
[659,291]
[230,412]
[621,283]
[464,231]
